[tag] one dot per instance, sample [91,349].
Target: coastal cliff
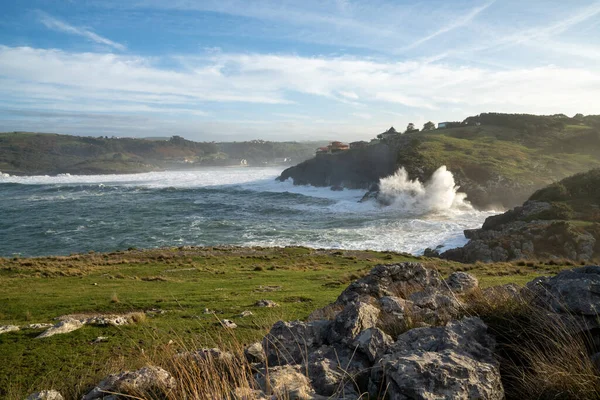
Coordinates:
[498,160]
[559,221]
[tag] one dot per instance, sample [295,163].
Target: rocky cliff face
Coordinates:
[353,169]
[559,221]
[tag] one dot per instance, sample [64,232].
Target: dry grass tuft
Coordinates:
[114,298]
[542,355]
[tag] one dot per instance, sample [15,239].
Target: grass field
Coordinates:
[173,287]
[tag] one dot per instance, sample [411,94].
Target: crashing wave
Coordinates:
[440,193]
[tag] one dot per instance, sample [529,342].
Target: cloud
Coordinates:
[458,23]
[202,87]
[55,24]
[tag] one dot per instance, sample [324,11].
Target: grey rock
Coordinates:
[286,382]
[289,342]
[226,323]
[373,342]
[8,328]
[137,382]
[462,282]
[45,395]
[451,362]
[100,339]
[208,355]
[355,318]
[246,313]
[266,303]
[390,280]
[37,326]
[575,291]
[66,326]
[338,371]
[255,353]
[392,304]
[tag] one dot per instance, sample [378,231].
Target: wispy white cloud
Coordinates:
[56,24]
[458,23]
[60,77]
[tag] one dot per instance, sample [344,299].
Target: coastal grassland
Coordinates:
[173,287]
[483,153]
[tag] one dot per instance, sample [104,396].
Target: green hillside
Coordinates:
[24,153]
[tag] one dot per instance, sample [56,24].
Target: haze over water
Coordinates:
[43,215]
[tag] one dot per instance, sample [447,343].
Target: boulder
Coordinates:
[255,353]
[373,343]
[390,280]
[461,282]
[37,326]
[575,291]
[45,395]
[355,318]
[148,379]
[338,371]
[266,303]
[8,328]
[455,361]
[286,382]
[66,326]
[289,342]
[227,323]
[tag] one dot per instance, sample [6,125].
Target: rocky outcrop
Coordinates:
[8,329]
[144,380]
[529,231]
[359,351]
[65,326]
[575,292]
[451,362]
[353,169]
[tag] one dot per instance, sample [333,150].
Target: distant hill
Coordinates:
[497,159]
[26,153]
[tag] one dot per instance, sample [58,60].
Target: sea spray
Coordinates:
[440,193]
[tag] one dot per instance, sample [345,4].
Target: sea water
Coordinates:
[57,215]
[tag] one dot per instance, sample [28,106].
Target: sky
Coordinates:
[228,70]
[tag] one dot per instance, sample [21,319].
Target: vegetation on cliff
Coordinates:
[497,159]
[23,153]
[561,220]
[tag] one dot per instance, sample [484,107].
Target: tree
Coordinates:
[429,126]
[410,127]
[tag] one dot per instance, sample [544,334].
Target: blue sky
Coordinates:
[290,70]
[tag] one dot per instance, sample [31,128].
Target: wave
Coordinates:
[439,194]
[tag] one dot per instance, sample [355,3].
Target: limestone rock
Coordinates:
[137,382]
[66,326]
[227,323]
[246,313]
[462,282]
[354,319]
[373,342]
[286,382]
[338,371]
[575,291]
[266,303]
[288,342]
[255,353]
[390,280]
[8,328]
[45,395]
[455,361]
[37,326]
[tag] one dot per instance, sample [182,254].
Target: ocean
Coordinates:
[66,214]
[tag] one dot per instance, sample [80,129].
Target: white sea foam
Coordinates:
[419,215]
[439,194]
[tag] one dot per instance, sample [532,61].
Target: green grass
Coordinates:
[181,282]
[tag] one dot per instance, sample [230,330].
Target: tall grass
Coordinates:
[542,355]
